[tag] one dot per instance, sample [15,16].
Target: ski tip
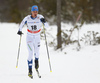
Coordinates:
[50,71]
[16,66]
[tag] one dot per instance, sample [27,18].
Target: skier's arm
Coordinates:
[24,21]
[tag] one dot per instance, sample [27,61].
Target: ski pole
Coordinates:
[47,48]
[18,51]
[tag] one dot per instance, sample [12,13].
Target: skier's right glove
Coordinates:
[19,33]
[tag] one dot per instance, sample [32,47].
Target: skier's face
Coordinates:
[34,14]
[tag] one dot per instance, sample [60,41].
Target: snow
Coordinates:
[73,67]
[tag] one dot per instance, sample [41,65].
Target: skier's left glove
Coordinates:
[19,33]
[43,20]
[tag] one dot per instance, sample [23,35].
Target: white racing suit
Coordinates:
[33,36]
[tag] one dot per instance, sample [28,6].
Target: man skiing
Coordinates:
[34,23]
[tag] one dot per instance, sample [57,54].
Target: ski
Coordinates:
[38,73]
[30,77]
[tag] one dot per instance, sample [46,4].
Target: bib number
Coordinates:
[34,27]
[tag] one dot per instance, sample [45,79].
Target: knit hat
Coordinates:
[34,8]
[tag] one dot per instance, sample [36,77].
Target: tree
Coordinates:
[4,11]
[59,39]
[96,10]
[14,11]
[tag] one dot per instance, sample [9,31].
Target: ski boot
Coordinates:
[30,74]
[36,64]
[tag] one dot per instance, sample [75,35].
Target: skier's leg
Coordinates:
[36,51]
[30,55]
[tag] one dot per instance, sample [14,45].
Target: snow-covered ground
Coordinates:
[73,67]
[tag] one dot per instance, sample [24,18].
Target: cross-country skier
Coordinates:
[34,24]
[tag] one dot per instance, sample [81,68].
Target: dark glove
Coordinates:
[19,33]
[43,20]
